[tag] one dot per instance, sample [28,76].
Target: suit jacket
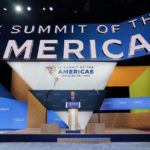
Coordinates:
[75,100]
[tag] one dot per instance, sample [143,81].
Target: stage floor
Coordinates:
[74,146]
[106,131]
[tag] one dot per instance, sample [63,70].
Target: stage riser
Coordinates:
[74,140]
[53,138]
[123,120]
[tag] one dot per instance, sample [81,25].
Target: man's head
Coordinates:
[72,94]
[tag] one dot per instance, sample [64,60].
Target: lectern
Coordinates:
[73,114]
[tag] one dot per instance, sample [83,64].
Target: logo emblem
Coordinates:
[52,71]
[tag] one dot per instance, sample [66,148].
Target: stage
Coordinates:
[115,135]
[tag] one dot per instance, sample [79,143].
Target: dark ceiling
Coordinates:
[72,11]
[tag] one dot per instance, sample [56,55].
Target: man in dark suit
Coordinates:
[72,98]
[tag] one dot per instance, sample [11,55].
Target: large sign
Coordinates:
[13,114]
[64,75]
[126,103]
[76,42]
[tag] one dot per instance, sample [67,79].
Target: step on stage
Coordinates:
[113,135]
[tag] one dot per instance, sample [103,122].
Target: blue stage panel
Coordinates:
[52,117]
[126,103]
[4,92]
[13,114]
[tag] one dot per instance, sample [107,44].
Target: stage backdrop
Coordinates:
[86,47]
[66,76]
[56,99]
[13,114]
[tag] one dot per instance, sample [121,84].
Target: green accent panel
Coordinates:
[140,110]
[141,88]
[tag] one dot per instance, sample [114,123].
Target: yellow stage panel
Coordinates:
[125,75]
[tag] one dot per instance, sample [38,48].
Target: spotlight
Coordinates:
[18,8]
[5,9]
[28,8]
[43,8]
[51,8]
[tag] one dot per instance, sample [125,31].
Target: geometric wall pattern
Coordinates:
[141,87]
[137,78]
[124,76]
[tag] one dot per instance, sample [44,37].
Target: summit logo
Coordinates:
[52,72]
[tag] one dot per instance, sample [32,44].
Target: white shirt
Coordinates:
[72,98]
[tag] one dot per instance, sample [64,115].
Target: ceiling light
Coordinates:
[51,8]
[18,8]
[43,8]
[5,9]
[29,8]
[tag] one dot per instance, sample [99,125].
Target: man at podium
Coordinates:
[72,105]
[72,99]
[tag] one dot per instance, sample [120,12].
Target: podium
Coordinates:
[73,114]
